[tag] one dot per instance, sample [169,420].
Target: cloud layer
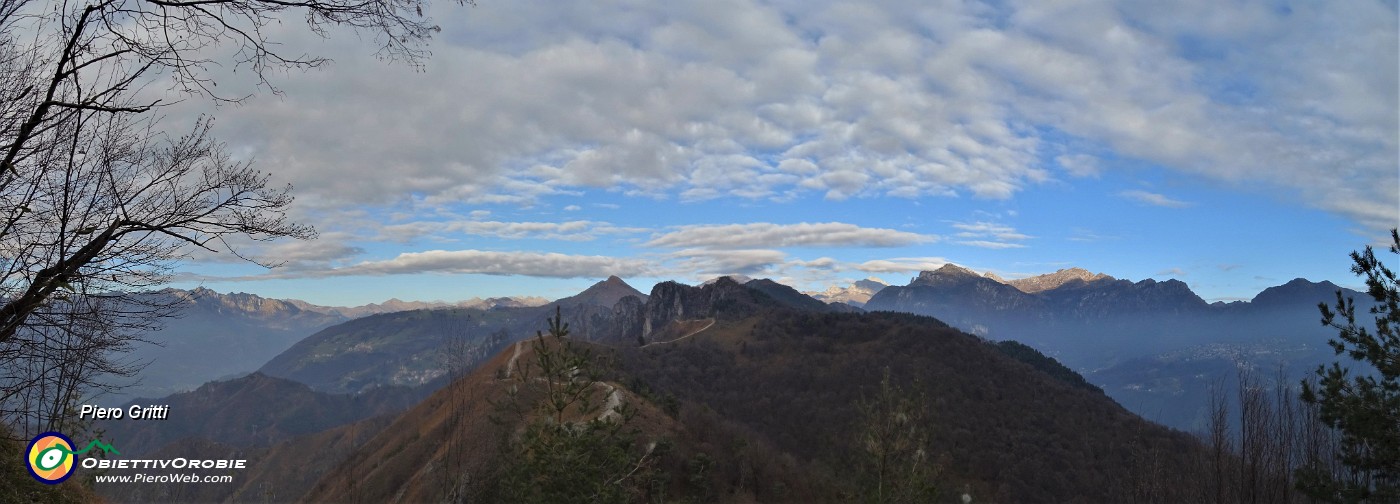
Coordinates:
[762,234]
[551,265]
[738,98]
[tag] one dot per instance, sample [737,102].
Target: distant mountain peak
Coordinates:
[1305,283]
[1039,283]
[953,269]
[948,273]
[605,293]
[1299,291]
[993,276]
[857,294]
[738,279]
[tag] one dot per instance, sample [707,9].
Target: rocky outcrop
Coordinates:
[1041,283]
[722,299]
[629,318]
[949,274]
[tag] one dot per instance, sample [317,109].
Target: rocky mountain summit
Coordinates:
[856,294]
[1039,283]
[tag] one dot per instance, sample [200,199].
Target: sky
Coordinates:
[545,145]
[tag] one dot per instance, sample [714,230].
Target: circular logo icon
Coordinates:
[51,459]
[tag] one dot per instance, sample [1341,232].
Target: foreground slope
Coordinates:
[449,447]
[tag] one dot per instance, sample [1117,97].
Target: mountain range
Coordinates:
[750,386]
[753,364]
[215,336]
[1112,331]
[397,305]
[1094,320]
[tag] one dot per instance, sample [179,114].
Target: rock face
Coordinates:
[638,319]
[725,298]
[948,274]
[1039,283]
[629,317]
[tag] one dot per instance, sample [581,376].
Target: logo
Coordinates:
[51,457]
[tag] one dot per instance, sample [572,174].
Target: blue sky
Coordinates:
[547,145]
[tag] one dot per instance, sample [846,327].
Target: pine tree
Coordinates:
[895,466]
[1364,407]
[575,446]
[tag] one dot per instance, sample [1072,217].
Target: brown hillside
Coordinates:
[1010,431]
[280,473]
[439,450]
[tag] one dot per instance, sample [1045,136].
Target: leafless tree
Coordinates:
[1257,460]
[1221,449]
[96,202]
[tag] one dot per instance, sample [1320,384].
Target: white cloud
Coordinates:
[991,244]
[763,234]
[1079,165]
[901,265]
[1085,235]
[579,230]
[325,249]
[989,235]
[999,231]
[537,264]
[1155,199]
[572,208]
[1176,272]
[725,262]
[288,254]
